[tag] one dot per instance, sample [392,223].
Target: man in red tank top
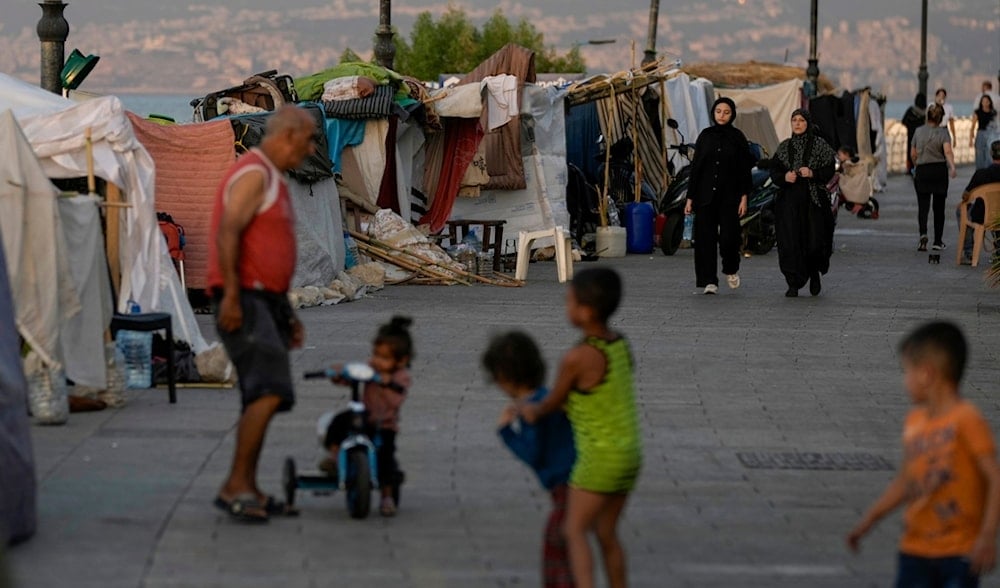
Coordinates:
[249,272]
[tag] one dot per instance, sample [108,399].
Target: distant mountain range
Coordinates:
[165,47]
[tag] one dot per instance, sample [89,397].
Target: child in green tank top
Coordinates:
[594,386]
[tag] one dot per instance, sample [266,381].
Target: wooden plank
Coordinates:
[113,238]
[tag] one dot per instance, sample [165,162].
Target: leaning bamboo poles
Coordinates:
[429,270]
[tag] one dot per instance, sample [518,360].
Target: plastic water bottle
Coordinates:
[137,351]
[688,226]
[351,253]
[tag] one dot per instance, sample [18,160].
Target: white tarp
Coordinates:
[58,139]
[780,99]
[682,109]
[32,238]
[82,337]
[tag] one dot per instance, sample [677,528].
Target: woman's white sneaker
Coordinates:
[711,289]
[733,280]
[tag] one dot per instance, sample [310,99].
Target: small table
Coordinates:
[488,231]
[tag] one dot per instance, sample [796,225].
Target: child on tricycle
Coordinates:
[392,350]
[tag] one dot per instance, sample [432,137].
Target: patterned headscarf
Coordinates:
[807,150]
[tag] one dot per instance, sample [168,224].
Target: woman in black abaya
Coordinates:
[717,194]
[802,166]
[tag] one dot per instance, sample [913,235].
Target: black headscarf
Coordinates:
[732,107]
[806,150]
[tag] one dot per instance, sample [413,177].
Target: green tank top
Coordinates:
[606,424]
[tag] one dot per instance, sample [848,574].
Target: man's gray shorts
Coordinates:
[259,347]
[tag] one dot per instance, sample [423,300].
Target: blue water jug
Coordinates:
[639,220]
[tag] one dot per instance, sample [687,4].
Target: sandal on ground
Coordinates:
[274,507]
[388,507]
[243,508]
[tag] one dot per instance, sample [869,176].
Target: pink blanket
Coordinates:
[191,160]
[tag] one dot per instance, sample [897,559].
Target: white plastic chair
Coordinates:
[564,252]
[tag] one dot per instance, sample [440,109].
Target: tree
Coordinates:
[454,45]
[349,56]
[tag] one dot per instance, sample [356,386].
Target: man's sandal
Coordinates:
[243,508]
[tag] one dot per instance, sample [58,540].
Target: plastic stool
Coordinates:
[564,252]
[146,322]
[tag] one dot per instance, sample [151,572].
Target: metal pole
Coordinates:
[922,74]
[385,49]
[52,33]
[812,72]
[649,54]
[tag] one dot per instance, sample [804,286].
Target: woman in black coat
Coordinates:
[717,193]
[801,168]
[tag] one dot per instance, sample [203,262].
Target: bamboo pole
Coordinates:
[664,152]
[406,263]
[426,261]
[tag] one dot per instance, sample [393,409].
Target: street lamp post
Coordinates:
[385,49]
[649,55]
[922,74]
[52,33]
[812,72]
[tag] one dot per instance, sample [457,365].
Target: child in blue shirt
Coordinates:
[515,365]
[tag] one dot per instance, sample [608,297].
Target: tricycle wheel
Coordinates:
[359,484]
[289,480]
[673,232]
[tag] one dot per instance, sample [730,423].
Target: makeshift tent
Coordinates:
[58,137]
[755,121]
[34,245]
[542,203]
[780,99]
[17,468]
[58,270]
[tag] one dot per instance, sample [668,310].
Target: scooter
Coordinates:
[357,465]
[669,230]
[758,224]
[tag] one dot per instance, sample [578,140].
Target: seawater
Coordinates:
[176,106]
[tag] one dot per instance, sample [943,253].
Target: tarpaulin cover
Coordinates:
[249,130]
[503,147]
[780,99]
[17,467]
[191,161]
[34,245]
[58,137]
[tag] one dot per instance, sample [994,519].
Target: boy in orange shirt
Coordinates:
[949,480]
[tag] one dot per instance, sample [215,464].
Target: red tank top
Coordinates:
[267,244]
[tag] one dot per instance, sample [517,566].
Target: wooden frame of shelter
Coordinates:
[613,91]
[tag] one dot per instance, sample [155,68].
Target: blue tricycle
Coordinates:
[357,463]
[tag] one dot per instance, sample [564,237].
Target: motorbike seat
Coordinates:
[759,176]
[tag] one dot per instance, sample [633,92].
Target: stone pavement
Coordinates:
[125,495]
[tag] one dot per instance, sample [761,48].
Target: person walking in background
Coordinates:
[935,163]
[595,386]
[986,88]
[914,118]
[249,272]
[983,130]
[801,168]
[515,364]
[949,481]
[717,193]
[948,119]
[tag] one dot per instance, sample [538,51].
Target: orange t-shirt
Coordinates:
[946,493]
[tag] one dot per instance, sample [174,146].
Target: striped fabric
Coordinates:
[378,105]
[606,426]
[616,118]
